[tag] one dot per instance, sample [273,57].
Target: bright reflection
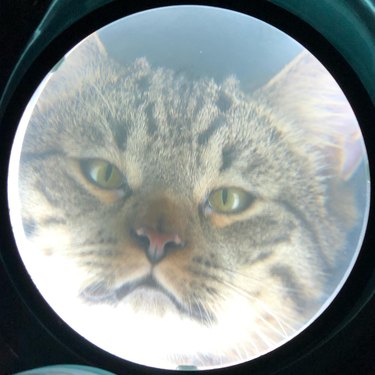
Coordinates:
[189,212]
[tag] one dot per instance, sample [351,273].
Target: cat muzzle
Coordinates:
[157,244]
[99,293]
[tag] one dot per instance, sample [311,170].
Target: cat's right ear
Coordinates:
[85,53]
[82,65]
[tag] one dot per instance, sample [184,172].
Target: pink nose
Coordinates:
[158,243]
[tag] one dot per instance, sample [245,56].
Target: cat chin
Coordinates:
[156,334]
[164,339]
[170,339]
[149,301]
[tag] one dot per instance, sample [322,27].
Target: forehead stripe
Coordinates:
[216,124]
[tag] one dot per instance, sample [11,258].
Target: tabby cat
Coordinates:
[174,221]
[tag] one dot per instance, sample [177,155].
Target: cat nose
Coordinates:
[158,243]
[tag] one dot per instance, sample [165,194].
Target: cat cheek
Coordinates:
[222,221]
[108,197]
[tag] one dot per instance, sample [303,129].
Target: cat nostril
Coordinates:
[142,240]
[157,244]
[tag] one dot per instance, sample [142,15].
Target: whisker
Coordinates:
[246,294]
[252,279]
[87,249]
[264,337]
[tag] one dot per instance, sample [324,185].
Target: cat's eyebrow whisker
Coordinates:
[106,102]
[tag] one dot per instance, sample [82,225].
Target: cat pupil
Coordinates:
[224,196]
[108,172]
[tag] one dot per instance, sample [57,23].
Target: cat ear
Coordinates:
[309,100]
[82,65]
[89,51]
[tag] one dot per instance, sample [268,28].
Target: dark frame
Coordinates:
[66,23]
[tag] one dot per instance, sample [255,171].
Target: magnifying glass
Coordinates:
[189,189]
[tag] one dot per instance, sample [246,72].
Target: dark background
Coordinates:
[25,343]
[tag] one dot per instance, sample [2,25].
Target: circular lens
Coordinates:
[189,188]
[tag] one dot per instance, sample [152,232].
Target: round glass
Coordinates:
[189,188]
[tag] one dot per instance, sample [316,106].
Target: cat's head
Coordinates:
[189,203]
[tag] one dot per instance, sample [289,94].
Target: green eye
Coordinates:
[102,173]
[229,200]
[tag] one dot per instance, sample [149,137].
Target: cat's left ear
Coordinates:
[308,99]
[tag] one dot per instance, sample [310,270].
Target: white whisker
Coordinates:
[246,294]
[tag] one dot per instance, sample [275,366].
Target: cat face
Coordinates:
[184,208]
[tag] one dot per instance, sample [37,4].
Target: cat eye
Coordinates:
[102,173]
[230,200]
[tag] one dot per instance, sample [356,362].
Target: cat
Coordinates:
[185,222]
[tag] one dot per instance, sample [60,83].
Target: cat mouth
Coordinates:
[99,293]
